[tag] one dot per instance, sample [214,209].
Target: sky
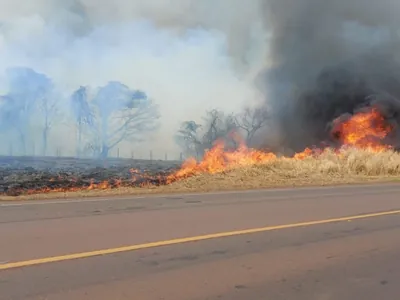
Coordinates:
[188,56]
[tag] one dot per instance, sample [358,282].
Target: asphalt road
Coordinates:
[313,243]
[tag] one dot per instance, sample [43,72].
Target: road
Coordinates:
[310,243]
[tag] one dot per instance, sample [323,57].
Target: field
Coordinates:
[30,175]
[363,156]
[27,177]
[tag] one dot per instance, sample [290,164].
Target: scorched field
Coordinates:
[361,154]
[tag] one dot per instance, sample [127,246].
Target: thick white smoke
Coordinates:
[187,55]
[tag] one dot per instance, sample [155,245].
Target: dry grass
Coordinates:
[351,166]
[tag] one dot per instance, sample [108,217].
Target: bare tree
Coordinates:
[27,89]
[10,114]
[49,109]
[188,138]
[195,138]
[218,126]
[252,120]
[122,115]
[83,115]
[15,118]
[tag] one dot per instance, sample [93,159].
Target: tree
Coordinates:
[195,138]
[188,138]
[122,114]
[9,115]
[83,115]
[252,120]
[27,90]
[49,110]
[218,126]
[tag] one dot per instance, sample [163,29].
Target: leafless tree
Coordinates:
[50,112]
[29,93]
[132,124]
[122,115]
[217,126]
[188,138]
[252,120]
[195,138]
[83,116]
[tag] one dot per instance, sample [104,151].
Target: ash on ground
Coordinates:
[29,175]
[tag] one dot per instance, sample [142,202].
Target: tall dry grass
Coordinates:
[348,166]
[351,161]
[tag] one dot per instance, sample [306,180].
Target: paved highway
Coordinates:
[311,243]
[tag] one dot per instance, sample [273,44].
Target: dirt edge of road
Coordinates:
[204,184]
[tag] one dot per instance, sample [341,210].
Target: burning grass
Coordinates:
[350,165]
[362,156]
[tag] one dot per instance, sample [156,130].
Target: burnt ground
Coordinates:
[29,175]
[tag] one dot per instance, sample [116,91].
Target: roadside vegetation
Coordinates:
[348,166]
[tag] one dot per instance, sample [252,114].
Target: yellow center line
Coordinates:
[66,257]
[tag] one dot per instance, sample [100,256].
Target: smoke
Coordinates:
[313,61]
[187,55]
[330,58]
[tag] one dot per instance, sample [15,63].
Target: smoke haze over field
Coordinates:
[315,60]
[188,56]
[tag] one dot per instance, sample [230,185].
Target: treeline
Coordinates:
[194,138]
[101,117]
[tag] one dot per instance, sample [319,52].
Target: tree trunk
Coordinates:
[79,140]
[44,140]
[250,135]
[23,144]
[104,151]
[104,136]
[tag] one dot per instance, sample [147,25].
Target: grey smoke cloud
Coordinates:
[235,19]
[327,58]
[316,60]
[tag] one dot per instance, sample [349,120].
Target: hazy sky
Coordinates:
[188,56]
[191,55]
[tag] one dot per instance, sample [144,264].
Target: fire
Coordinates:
[103,185]
[302,155]
[365,130]
[217,160]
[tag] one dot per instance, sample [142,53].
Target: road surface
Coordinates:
[312,243]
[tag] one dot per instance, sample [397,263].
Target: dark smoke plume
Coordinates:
[330,59]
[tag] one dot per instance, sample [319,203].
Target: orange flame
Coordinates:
[365,130]
[302,155]
[217,160]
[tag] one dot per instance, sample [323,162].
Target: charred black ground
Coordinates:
[24,175]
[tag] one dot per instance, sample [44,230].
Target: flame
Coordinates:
[364,130]
[217,160]
[302,155]
[103,185]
